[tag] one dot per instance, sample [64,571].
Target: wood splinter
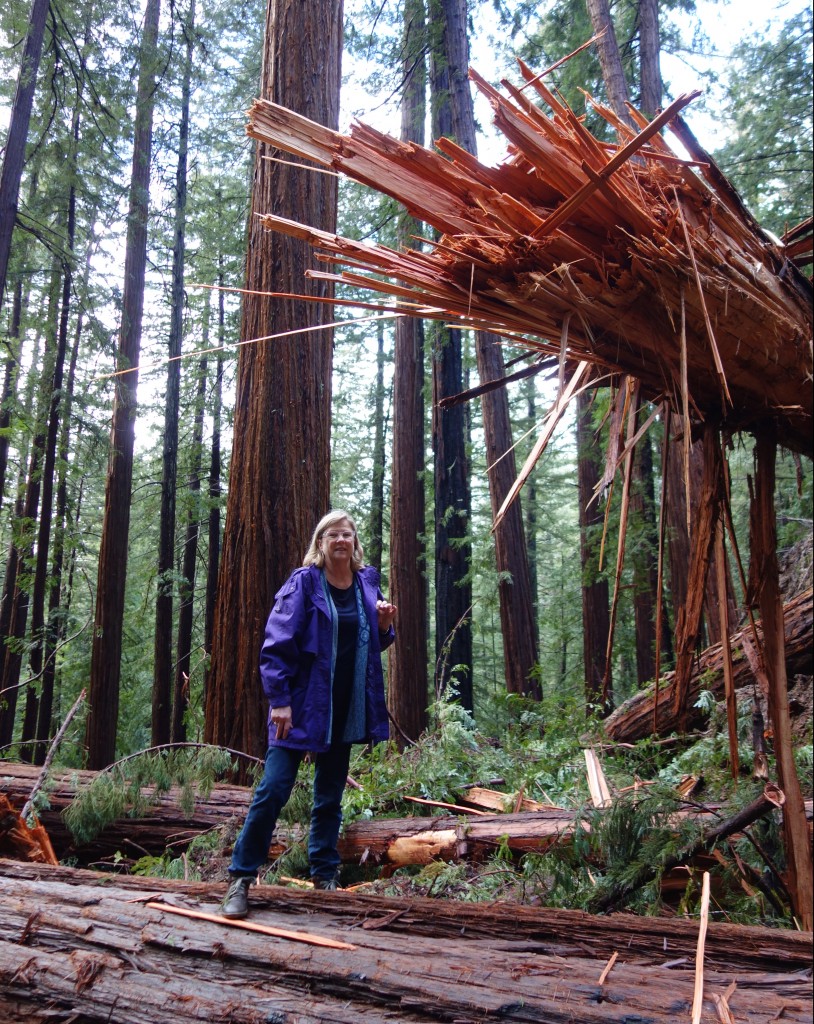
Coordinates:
[280,933]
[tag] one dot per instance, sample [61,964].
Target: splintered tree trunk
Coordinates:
[105,666]
[764,556]
[407,691]
[688,619]
[679,542]
[453,593]
[163,662]
[595,613]
[279,476]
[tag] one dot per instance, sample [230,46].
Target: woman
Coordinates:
[322,675]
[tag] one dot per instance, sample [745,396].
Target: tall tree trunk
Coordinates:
[105,667]
[649,54]
[610,59]
[407,678]
[215,468]
[376,533]
[279,477]
[14,156]
[764,573]
[163,662]
[9,380]
[453,591]
[57,627]
[516,618]
[530,512]
[516,614]
[181,688]
[26,528]
[41,627]
[10,594]
[595,614]
[517,623]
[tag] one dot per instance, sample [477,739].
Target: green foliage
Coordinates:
[129,787]
[769,113]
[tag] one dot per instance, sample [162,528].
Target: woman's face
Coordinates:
[337,543]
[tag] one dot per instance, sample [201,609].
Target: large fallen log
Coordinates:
[70,943]
[385,841]
[635,719]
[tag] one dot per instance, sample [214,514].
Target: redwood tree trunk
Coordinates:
[516,608]
[215,468]
[279,477]
[105,667]
[453,593]
[764,555]
[163,661]
[407,692]
[609,57]
[376,529]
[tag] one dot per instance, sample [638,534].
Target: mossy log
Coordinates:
[72,942]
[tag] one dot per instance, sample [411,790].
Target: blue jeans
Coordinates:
[330,774]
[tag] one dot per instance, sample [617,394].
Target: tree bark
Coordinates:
[407,691]
[649,53]
[376,531]
[516,606]
[453,592]
[189,561]
[103,953]
[105,666]
[279,476]
[610,58]
[215,468]
[163,668]
[14,156]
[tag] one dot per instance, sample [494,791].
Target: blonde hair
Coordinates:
[314,554]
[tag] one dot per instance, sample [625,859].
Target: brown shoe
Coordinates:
[236,901]
[326,884]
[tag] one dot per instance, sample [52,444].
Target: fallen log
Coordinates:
[648,940]
[634,719]
[136,964]
[380,841]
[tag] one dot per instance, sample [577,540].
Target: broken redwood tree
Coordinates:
[620,257]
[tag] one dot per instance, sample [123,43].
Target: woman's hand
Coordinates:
[281,718]
[386,613]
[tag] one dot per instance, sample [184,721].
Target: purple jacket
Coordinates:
[295,660]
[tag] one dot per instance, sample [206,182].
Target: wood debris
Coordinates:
[643,252]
